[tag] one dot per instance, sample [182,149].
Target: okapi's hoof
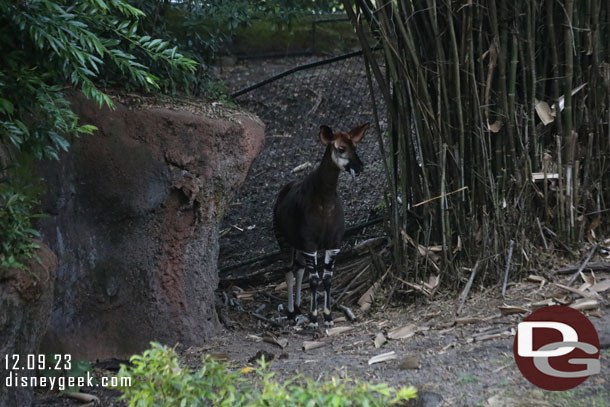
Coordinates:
[313,321]
[300,320]
[328,320]
[294,315]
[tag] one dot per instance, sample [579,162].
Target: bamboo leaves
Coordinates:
[469,90]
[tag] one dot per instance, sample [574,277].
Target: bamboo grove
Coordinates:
[498,126]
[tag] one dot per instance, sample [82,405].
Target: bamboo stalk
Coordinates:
[568,79]
[455,72]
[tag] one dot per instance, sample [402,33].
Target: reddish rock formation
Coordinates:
[134,217]
[26,298]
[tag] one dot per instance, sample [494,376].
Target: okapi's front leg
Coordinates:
[329,268]
[299,276]
[311,263]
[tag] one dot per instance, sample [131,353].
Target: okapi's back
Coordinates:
[279,217]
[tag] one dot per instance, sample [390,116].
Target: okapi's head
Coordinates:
[343,147]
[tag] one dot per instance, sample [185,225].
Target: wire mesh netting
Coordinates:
[293,107]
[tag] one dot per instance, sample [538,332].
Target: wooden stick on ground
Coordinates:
[595,266]
[466,290]
[267,320]
[583,265]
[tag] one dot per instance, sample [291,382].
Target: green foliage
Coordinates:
[46,46]
[49,44]
[17,210]
[157,379]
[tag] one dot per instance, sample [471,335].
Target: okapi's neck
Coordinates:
[326,176]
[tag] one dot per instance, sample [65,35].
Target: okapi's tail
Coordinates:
[286,251]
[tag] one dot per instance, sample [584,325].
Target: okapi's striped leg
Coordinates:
[300,266]
[290,287]
[329,268]
[311,263]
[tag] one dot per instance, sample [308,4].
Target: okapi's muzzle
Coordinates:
[354,167]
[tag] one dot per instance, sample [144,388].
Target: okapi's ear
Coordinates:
[326,135]
[357,132]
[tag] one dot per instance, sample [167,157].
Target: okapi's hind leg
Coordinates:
[297,270]
[311,263]
[288,257]
[299,263]
[329,268]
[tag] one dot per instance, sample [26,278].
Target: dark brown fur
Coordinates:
[308,214]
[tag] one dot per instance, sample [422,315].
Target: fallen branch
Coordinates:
[267,320]
[554,236]
[583,265]
[466,290]
[348,312]
[595,266]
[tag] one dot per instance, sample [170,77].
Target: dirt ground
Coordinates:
[453,362]
[465,361]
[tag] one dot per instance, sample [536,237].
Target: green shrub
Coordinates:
[158,379]
[16,234]
[20,187]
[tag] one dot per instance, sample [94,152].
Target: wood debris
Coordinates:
[594,266]
[348,312]
[498,335]
[585,304]
[600,286]
[585,293]
[309,345]
[301,167]
[366,299]
[271,338]
[220,356]
[583,265]
[541,176]
[380,339]
[84,397]
[513,309]
[466,290]
[338,330]
[384,357]
[496,126]
[404,332]
[245,295]
[426,252]
[544,112]
[467,320]
[536,279]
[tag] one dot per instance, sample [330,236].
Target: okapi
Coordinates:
[308,218]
